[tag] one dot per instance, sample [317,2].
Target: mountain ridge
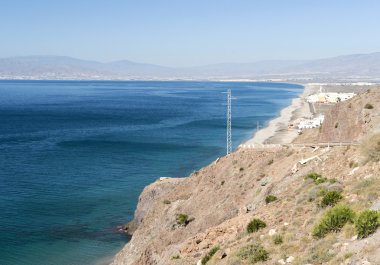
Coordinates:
[354,66]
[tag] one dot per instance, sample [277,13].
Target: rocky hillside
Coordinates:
[348,121]
[351,120]
[266,206]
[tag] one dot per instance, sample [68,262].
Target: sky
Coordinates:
[189,32]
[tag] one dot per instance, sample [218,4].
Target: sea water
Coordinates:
[75,155]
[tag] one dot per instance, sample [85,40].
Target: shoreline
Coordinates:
[278,131]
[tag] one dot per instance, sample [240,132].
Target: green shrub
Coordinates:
[209,255]
[175,257]
[255,225]
[270,198]
[166,202]
[320,180]
[333,220]
[368,106]
[182,219]
[317,178]
[270,162]
[331,198]
[253,253]
[367,223]
[313,176]
[278,239]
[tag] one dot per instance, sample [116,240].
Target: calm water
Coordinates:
[74,156]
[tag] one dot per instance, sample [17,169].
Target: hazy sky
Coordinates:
[189,32]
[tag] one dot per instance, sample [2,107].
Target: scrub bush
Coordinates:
[333,220]
[209,255]
[182,219]
[367,223]
[255,225]
[270,198]
[331,198]
[253,253]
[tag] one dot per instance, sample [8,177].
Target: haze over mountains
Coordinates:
[348,67]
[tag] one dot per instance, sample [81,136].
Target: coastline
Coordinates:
[171,196]
[273,132]
[278,131]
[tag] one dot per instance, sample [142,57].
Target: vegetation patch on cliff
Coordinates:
[334,220]
[255,225]
[209,255]
[270,198]
[367,223]
[253,253]
[331,198]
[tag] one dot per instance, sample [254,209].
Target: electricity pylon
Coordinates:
[229,132]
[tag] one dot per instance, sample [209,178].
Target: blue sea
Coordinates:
[75,155]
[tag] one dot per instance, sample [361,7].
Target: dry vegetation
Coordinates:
[371,148]
[262,206]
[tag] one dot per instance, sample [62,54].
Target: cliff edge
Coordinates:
[204,218]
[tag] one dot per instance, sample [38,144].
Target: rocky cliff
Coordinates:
[203,218]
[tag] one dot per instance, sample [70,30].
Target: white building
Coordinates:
[329,97]
[311,123]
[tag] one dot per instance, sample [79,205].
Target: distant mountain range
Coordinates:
[348,67]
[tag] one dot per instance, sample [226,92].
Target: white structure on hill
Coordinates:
[311,123]
[331,97]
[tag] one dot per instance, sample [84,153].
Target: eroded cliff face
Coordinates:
[347,121]
[353,119]
[223,197]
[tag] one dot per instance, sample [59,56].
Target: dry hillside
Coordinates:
[203,219]
[348,121]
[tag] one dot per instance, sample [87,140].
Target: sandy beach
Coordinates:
[278,131]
